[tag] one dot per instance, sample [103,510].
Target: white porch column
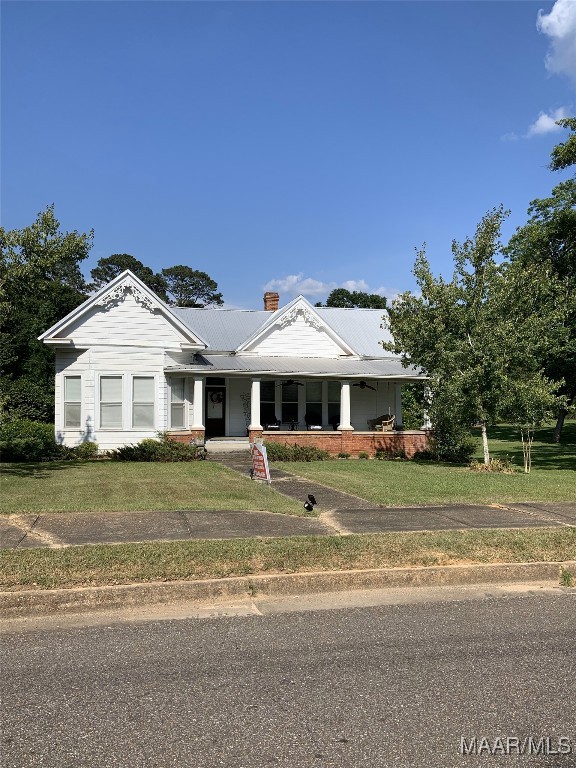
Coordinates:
[255,405]
[198,404]
[398,405]
[345,406]
[427,403]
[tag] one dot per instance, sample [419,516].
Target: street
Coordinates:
[388,685]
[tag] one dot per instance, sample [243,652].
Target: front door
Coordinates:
[215,411]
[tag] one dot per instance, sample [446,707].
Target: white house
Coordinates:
[129,366]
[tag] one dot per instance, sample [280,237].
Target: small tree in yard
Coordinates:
[476,335]
[531,402]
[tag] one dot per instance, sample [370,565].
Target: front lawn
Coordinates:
[109,486]
[401,483]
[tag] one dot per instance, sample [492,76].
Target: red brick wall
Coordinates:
[185,437]
[353,442]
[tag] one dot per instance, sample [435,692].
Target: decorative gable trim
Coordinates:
[118,294]
[112,295]
[288,315]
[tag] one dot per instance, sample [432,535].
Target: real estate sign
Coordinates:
[260,468]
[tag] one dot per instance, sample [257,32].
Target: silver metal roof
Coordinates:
[284,366]
[225,329]
[222,329]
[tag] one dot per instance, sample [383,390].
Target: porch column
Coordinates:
[345,406]
[398,405]
[427,403]
[198,403]
[255,405]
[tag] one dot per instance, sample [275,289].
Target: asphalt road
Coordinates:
[390,685]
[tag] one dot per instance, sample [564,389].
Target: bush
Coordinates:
[280,452]
[82,452]
[161,449]
[26,440]
[343,455]
[393,455]
[495,465]
[363,455]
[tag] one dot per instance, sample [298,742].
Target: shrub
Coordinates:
[26,440]
[343,455]
[495,465]
[280,452]
[161,449]
[393,455]
[363,455]
[82,452]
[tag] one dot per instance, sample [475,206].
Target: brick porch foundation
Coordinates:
[352,442]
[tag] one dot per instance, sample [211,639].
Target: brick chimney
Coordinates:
[271,301]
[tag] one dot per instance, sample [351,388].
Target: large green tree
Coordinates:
[187,287]
[40,281]
[341,297]
[475,335]
[548,240]
[111,266]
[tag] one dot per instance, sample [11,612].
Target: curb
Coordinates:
[68,601]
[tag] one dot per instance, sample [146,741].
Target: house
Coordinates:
[129,366]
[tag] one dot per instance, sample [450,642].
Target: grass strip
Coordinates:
[172,561]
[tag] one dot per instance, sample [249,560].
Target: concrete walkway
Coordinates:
[340,514]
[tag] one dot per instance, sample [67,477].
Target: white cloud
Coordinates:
[560,26]
[294,285]
[545,123]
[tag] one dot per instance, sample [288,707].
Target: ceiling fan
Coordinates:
[363,385]
[289,382]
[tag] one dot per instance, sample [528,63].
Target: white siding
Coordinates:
[126,323]
[90,365]
[366,404]
[299,339]
[237,421]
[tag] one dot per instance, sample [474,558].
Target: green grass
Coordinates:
[107,486]
[129,563]
[402,483]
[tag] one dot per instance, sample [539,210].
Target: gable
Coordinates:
[124,313]
[297,331]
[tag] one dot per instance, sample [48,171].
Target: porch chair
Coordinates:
[313,420]
[384,423]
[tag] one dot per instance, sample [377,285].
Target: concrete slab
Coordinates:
[432,519]
[564,511]
[117,527]
[13,532]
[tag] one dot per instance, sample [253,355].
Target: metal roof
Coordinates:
[225,329]
[222,329]
[207,364]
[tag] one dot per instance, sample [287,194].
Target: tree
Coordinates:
[41,282]
[548,239]
[187,287]
[340,297]
[110,267]
[564,154]
[475,335]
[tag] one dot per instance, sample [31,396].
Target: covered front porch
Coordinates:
[342,416]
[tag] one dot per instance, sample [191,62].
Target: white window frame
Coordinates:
[185,401]
[153,403]
[65,402]
[127,389]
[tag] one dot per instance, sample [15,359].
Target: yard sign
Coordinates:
[261,470]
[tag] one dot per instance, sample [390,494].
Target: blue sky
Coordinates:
[290,146]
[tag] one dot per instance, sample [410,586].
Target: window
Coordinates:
[334,402]
[314,399]
[289,402]
[177,403]
[72,401]
[111,402]
[143,402]
[267,402]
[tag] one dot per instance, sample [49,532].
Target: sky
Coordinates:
[282,145]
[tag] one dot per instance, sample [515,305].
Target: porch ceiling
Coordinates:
[286,366]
